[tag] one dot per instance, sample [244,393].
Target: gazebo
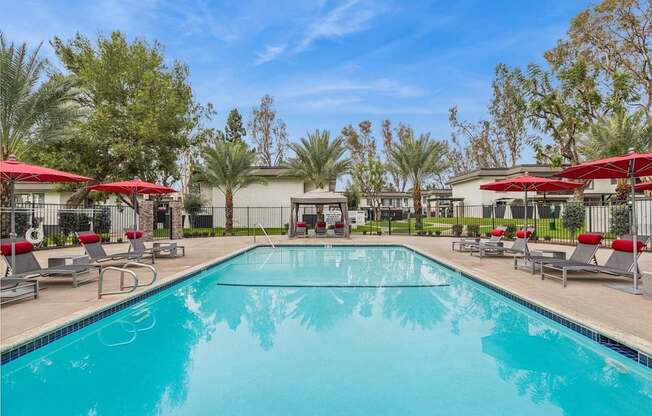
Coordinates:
[322,198]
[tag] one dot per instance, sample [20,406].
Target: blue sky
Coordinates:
[327,63]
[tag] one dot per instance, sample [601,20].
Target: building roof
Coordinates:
[318,196]
[532,169]
[271,171]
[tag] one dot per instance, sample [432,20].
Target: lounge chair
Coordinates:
[28,268]
[620,263]
[339,229]
[301,230]
[466,244]
[584,252]
[137,246]
[14,289]
[320,229]
[518,249]
[92,244]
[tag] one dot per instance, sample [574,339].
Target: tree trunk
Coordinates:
[416,201]
[228,211]
[320,212]
[5,199]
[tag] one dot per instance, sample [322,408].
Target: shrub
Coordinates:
[437,233]
[102,221]
[119,239]
[573,216]
[620,219]
[21,222]
[510,231]
[430,233]
[473,230]
[488,234]
[547,238]
[71,221]
[457,229]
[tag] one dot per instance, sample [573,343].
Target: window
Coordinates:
[36,197]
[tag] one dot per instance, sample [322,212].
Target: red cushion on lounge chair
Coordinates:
[521,234]
[498,232]
[321,224]
[89,238]
[589,238]
[21,247]
[627,245]
[131,234]
[339,225]
[301,224]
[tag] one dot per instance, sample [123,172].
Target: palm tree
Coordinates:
[318,159]
[31,109]
[614,136]
[228,166]
[417,160]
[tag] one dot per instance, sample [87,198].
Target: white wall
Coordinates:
[275,193]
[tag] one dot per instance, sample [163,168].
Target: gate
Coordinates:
[162,221]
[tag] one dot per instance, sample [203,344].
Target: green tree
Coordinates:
[268,133]
[33,108]
[367,171]
[508,110]
[352,194]
[234,129]
[228,166]
[419,159]
[318,159]
[614,36]
[615,135]
[139,109]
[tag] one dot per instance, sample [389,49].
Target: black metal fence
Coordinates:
[547,219]
[54,225]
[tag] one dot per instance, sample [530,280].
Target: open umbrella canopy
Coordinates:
[12,169]
[645,186]
[529,183]
[625,166]
[134,186]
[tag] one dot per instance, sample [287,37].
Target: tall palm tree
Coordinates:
[418,160]
[614,136]
[228,166]
[31,108]
[318,159]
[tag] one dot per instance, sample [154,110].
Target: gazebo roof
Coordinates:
[318,197]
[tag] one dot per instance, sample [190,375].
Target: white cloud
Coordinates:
[350,17]
[270,53]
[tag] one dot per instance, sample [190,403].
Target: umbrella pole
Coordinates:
[634,232]
[133,201]
[12,231]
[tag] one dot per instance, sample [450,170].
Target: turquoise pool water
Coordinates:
[209,347]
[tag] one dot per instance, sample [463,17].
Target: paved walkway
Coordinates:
[619,315]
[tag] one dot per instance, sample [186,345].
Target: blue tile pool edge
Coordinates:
[42,340]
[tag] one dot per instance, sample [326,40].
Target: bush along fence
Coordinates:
[54,225]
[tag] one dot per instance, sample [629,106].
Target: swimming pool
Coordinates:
[324,331]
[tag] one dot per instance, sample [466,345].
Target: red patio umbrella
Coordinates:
[12,171]
[528,183]
[644,186]
[630,166]
[132,187]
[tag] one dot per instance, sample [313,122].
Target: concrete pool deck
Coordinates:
[618,315]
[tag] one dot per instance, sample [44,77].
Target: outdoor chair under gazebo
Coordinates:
[319,198]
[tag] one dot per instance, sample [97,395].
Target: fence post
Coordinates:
[390,225]
[248,225]
[590,227]
[409,225]
[493,216]
[535,211]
